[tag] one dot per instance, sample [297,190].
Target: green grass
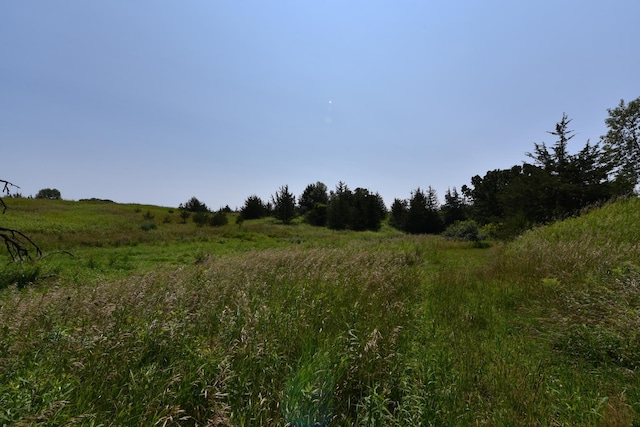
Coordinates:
[267,324]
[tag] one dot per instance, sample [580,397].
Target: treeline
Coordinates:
[553,183]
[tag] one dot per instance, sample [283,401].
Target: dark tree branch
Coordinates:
[5,190]
[18,244]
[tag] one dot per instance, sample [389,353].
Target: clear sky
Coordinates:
[155,101]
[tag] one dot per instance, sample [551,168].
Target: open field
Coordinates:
[267,324]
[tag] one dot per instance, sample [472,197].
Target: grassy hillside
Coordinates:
[266,324]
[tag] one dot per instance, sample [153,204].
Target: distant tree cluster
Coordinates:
[340,209]
[49,193]
[201,214]
[552,184]
[557,183]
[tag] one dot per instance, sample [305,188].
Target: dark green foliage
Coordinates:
[340,211]
[194,205]
[622,141]
[148,216]
[485,194]
[423,215]
[219,219]
[464,230]
[284,205]
[318,215]
[355,210]
[254,208]
[313,204]
[49,193]
[148,226]
[312,195]
[556,185]
[184,215]
[201,218]
[398,217]
[455,208]
[368,210]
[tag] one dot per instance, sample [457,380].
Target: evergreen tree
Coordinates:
[368,210]
[194,205]
[454,208]
[423,215]
[398,217]
[340,212]
[254,208]
[284,205]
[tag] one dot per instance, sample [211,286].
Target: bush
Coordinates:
[464,230]
[218,219]
[148,226]
[201,218]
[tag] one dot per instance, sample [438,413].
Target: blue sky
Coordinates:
[157,101]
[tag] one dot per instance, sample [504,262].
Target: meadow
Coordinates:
[127,323]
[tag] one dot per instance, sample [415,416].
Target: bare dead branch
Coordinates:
[19,245]
[6,191]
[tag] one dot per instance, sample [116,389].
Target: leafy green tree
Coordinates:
[622,141]
[312,195]
[254,208]
[284,205]
[49,193]
[313,204]
[318,215]
[485,194]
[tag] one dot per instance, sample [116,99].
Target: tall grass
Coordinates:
[274,325]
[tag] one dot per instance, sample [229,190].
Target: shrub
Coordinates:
[464,230]
[148,226]
[218,219]
[201,218]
